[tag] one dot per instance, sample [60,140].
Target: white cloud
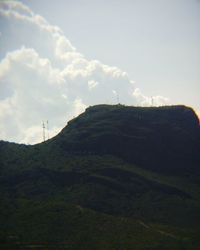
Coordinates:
[43,76]
[34,91]
[78,106]
[15,6]
[92,84]
[149,101]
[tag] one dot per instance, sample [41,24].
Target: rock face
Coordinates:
[158,138]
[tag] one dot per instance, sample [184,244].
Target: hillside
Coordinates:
[115,177]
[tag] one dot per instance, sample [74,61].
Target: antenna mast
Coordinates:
[152,101]
[47,129]
[43,129]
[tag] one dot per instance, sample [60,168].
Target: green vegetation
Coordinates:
[115,178]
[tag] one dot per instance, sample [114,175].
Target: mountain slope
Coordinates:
[115,177]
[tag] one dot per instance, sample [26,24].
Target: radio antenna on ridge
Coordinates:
[43,130]
[47,130]
[152,101]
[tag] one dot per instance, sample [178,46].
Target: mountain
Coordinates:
[115,177]
[162,139]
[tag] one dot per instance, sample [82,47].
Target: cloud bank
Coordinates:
[43,76]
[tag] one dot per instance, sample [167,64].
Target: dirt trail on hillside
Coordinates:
[158,230]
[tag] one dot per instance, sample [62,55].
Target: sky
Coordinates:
[59,57]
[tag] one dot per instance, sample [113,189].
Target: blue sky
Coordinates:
[153,45]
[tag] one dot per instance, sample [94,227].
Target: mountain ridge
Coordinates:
[169,131]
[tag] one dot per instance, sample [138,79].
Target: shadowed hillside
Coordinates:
[115,177]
